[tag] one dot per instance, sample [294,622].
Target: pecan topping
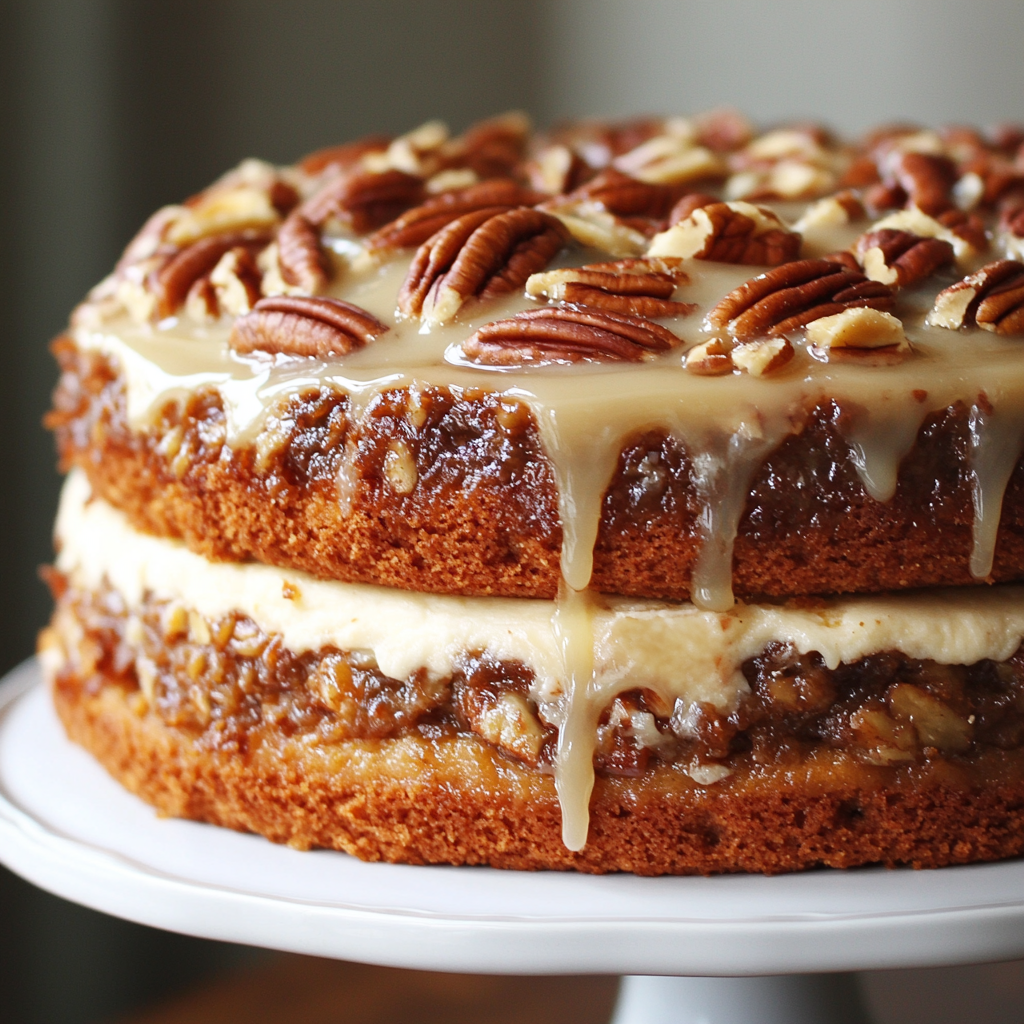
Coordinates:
[686,206]
[494,147]
[557,169]
[480,255]
[927,179]
[344,157]
[171,283]
[415,226]
[712,358]
[729,233]
[564,334]
[861,334]
[901,258]
[793,295]
[625,197]
[763,356]
[992,298]
[365,199]
[236,282]
[300,256]
[641,287]
[300,326]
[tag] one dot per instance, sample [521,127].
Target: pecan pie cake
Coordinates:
[637,496]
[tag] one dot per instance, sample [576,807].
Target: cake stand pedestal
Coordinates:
[69,828]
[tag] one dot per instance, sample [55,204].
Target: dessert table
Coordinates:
[722,950]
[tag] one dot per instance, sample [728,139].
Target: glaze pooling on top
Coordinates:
[587,412]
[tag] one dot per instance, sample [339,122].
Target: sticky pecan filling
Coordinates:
[231,687]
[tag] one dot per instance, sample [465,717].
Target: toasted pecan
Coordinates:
[415,226]
[566,334]
[729,233]
[171,283]
[480,255]
[304,326]
[642,287]
[901,258]
[300,256]
[365,199]
[793,295]
[991,298]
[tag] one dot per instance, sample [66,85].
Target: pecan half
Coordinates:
[927,179]
[491,148]
[729,233]
[171,283]
[901,258]
[689,203]
[345,156]
[365,199]
[301,258]
[793,295]
[641,287]
[415,226]
[991,298]
[625,196]
[564,334]
[480,255]
[299,326]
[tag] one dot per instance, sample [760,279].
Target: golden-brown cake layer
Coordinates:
[483,518]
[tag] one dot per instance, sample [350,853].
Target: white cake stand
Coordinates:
[67,827]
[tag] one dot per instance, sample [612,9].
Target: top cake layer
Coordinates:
[671,358]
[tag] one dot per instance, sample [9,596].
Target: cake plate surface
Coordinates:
[68,827]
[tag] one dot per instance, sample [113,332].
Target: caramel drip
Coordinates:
[878,444]
[997,437]
[573,625]
[721,476]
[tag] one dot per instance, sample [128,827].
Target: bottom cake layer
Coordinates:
[886,729]
[456,800]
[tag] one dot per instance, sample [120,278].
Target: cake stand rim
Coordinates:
[109,881]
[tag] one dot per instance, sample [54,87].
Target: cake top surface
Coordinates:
[693,275]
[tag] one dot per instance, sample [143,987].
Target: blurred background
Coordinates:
[111,108]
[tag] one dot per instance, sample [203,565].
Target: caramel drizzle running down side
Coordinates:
[997,437]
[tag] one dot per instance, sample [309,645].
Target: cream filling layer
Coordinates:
[684,653]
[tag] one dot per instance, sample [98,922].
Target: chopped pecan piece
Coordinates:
[479,255]
[901,258]
[639,286]
[236,282]
[712,358]
[991,298]
[365,199]
[793,295]
[566,334]
[301,259]
[593,226]
[832,211]
[415,226]
[763,356]
[729,233]
[860,333]
[171,283]
[671,159]
[300,326]
[557,169]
